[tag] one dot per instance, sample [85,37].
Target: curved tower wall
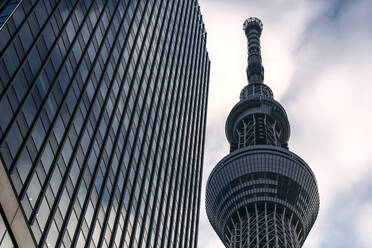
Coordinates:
[261,194]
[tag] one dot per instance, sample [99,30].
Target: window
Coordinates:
[34,61]
[20,85]
[14,140]
[6,112]
[11,64]
[47,158]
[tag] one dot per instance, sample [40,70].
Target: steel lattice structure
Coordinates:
[264,228]
[261,194]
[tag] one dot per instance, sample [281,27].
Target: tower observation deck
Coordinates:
[261,194]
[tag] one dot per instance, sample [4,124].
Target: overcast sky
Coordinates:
[317,56]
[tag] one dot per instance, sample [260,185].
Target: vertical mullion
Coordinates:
[47,136]
[121,200]
[170,122]
[91,229]
[161,139]
[104,225]
[192,154]
[21,24]
[190,95]
[90,147]
[197,168]
[167,120]
[99,159]
[65,177]
[205,100]
[182,128]
[65,135]
[116,223]
[43,63]
[153,140]
[174,166]
[43,105]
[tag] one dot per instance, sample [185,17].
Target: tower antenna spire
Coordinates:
[255,71]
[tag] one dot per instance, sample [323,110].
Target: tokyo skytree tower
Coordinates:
[261,194]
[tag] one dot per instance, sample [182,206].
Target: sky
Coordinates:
[317,56]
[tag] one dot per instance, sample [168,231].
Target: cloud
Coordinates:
[363,224]
[317,59]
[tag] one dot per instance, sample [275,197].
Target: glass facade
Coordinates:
[6,8]
[102,125]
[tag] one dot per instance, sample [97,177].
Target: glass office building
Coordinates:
[6,8]
[102,122]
